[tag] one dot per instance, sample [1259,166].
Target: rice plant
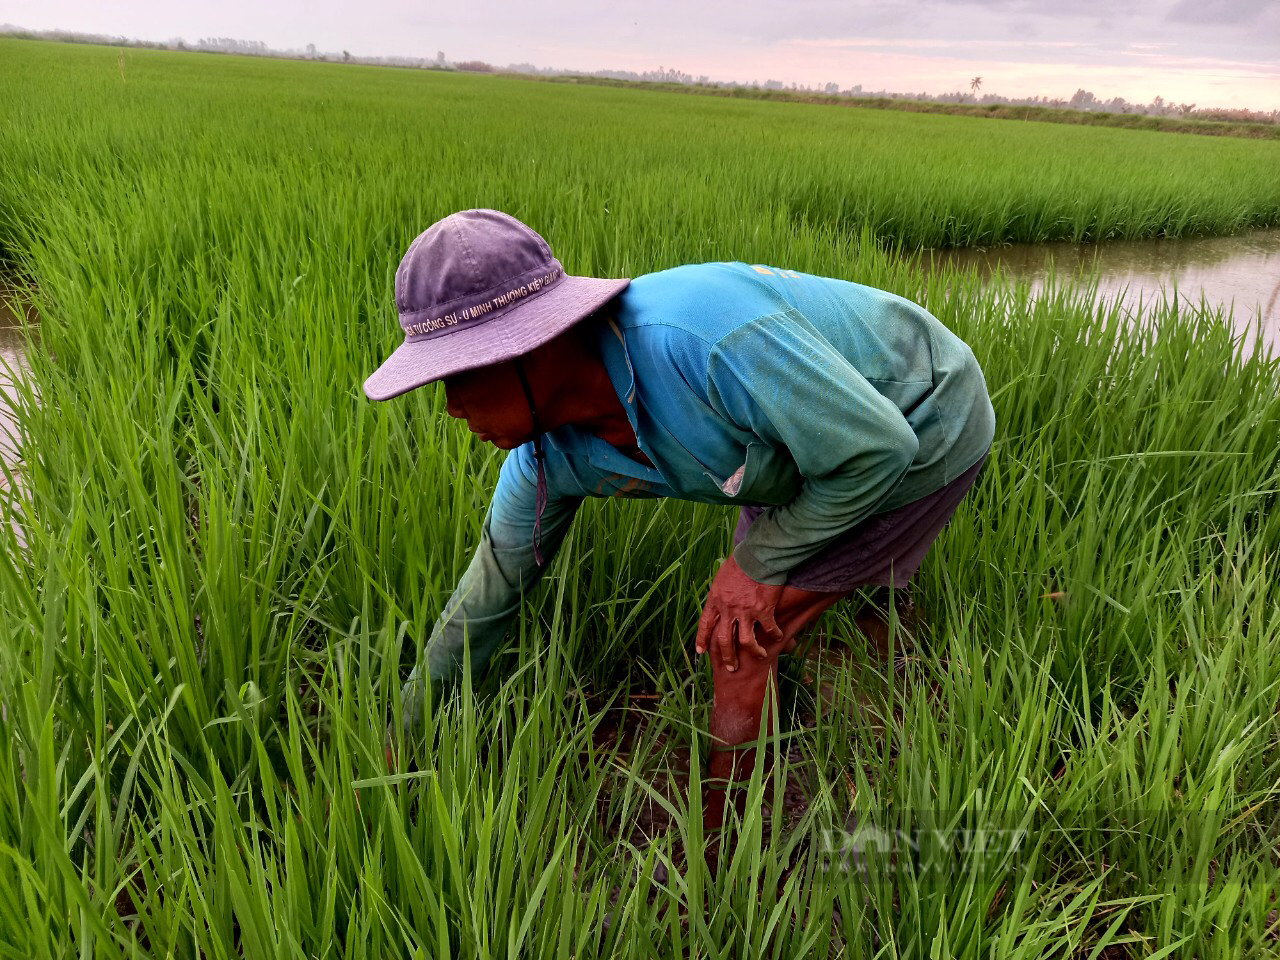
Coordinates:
[228,555]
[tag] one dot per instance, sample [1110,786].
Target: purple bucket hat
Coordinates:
[477,288]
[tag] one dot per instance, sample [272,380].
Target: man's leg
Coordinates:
[890,545]
[740,697]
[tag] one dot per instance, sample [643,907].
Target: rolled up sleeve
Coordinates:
[781,380]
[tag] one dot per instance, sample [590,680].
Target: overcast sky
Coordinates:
[1208,52]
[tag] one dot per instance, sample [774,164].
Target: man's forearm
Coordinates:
[475,618]
[481,608]
[784,537]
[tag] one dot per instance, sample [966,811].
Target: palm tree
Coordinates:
[974,86]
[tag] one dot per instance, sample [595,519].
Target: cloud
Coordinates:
[979,46]
[1049,8]
[1218,11]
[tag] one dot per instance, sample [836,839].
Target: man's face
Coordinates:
[493,403]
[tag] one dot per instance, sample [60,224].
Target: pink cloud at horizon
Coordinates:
[1215,53]
[1143,74]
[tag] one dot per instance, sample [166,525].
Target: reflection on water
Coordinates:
[1239,274]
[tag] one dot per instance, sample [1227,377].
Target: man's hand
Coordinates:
[735,605]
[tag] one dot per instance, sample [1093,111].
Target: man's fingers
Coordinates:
[772,631]
[725,645]
[772,634]
[700,639]
[751,644]
[705,624]
[746,639]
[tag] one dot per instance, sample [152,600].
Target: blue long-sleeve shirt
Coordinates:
[825,400]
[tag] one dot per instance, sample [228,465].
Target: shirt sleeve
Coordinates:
[780,379]
[502,570]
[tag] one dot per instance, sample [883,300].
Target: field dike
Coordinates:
[231,554]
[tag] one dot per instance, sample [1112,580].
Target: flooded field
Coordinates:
[1240,275]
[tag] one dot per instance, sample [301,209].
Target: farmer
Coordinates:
[846,423]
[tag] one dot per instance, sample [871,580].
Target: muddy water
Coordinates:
[1239,274]
[12,364]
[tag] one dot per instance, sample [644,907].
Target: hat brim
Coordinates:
[415,364]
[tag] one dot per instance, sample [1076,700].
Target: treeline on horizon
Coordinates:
[1043,113]
[989,104]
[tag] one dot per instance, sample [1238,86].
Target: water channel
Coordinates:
[12,365]
[1239,274]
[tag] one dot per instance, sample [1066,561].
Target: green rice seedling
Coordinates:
[228,554]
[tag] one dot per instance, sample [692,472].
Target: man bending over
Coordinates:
[845,422]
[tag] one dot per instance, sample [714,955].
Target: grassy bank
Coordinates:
[989,111]
[229,551]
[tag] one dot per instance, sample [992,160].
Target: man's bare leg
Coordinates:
[740,698]
[740,695]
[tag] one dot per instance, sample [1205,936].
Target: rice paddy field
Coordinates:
[218,558]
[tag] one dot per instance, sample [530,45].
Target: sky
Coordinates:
[1223,53]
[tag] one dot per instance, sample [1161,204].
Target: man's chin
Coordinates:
[505,443]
